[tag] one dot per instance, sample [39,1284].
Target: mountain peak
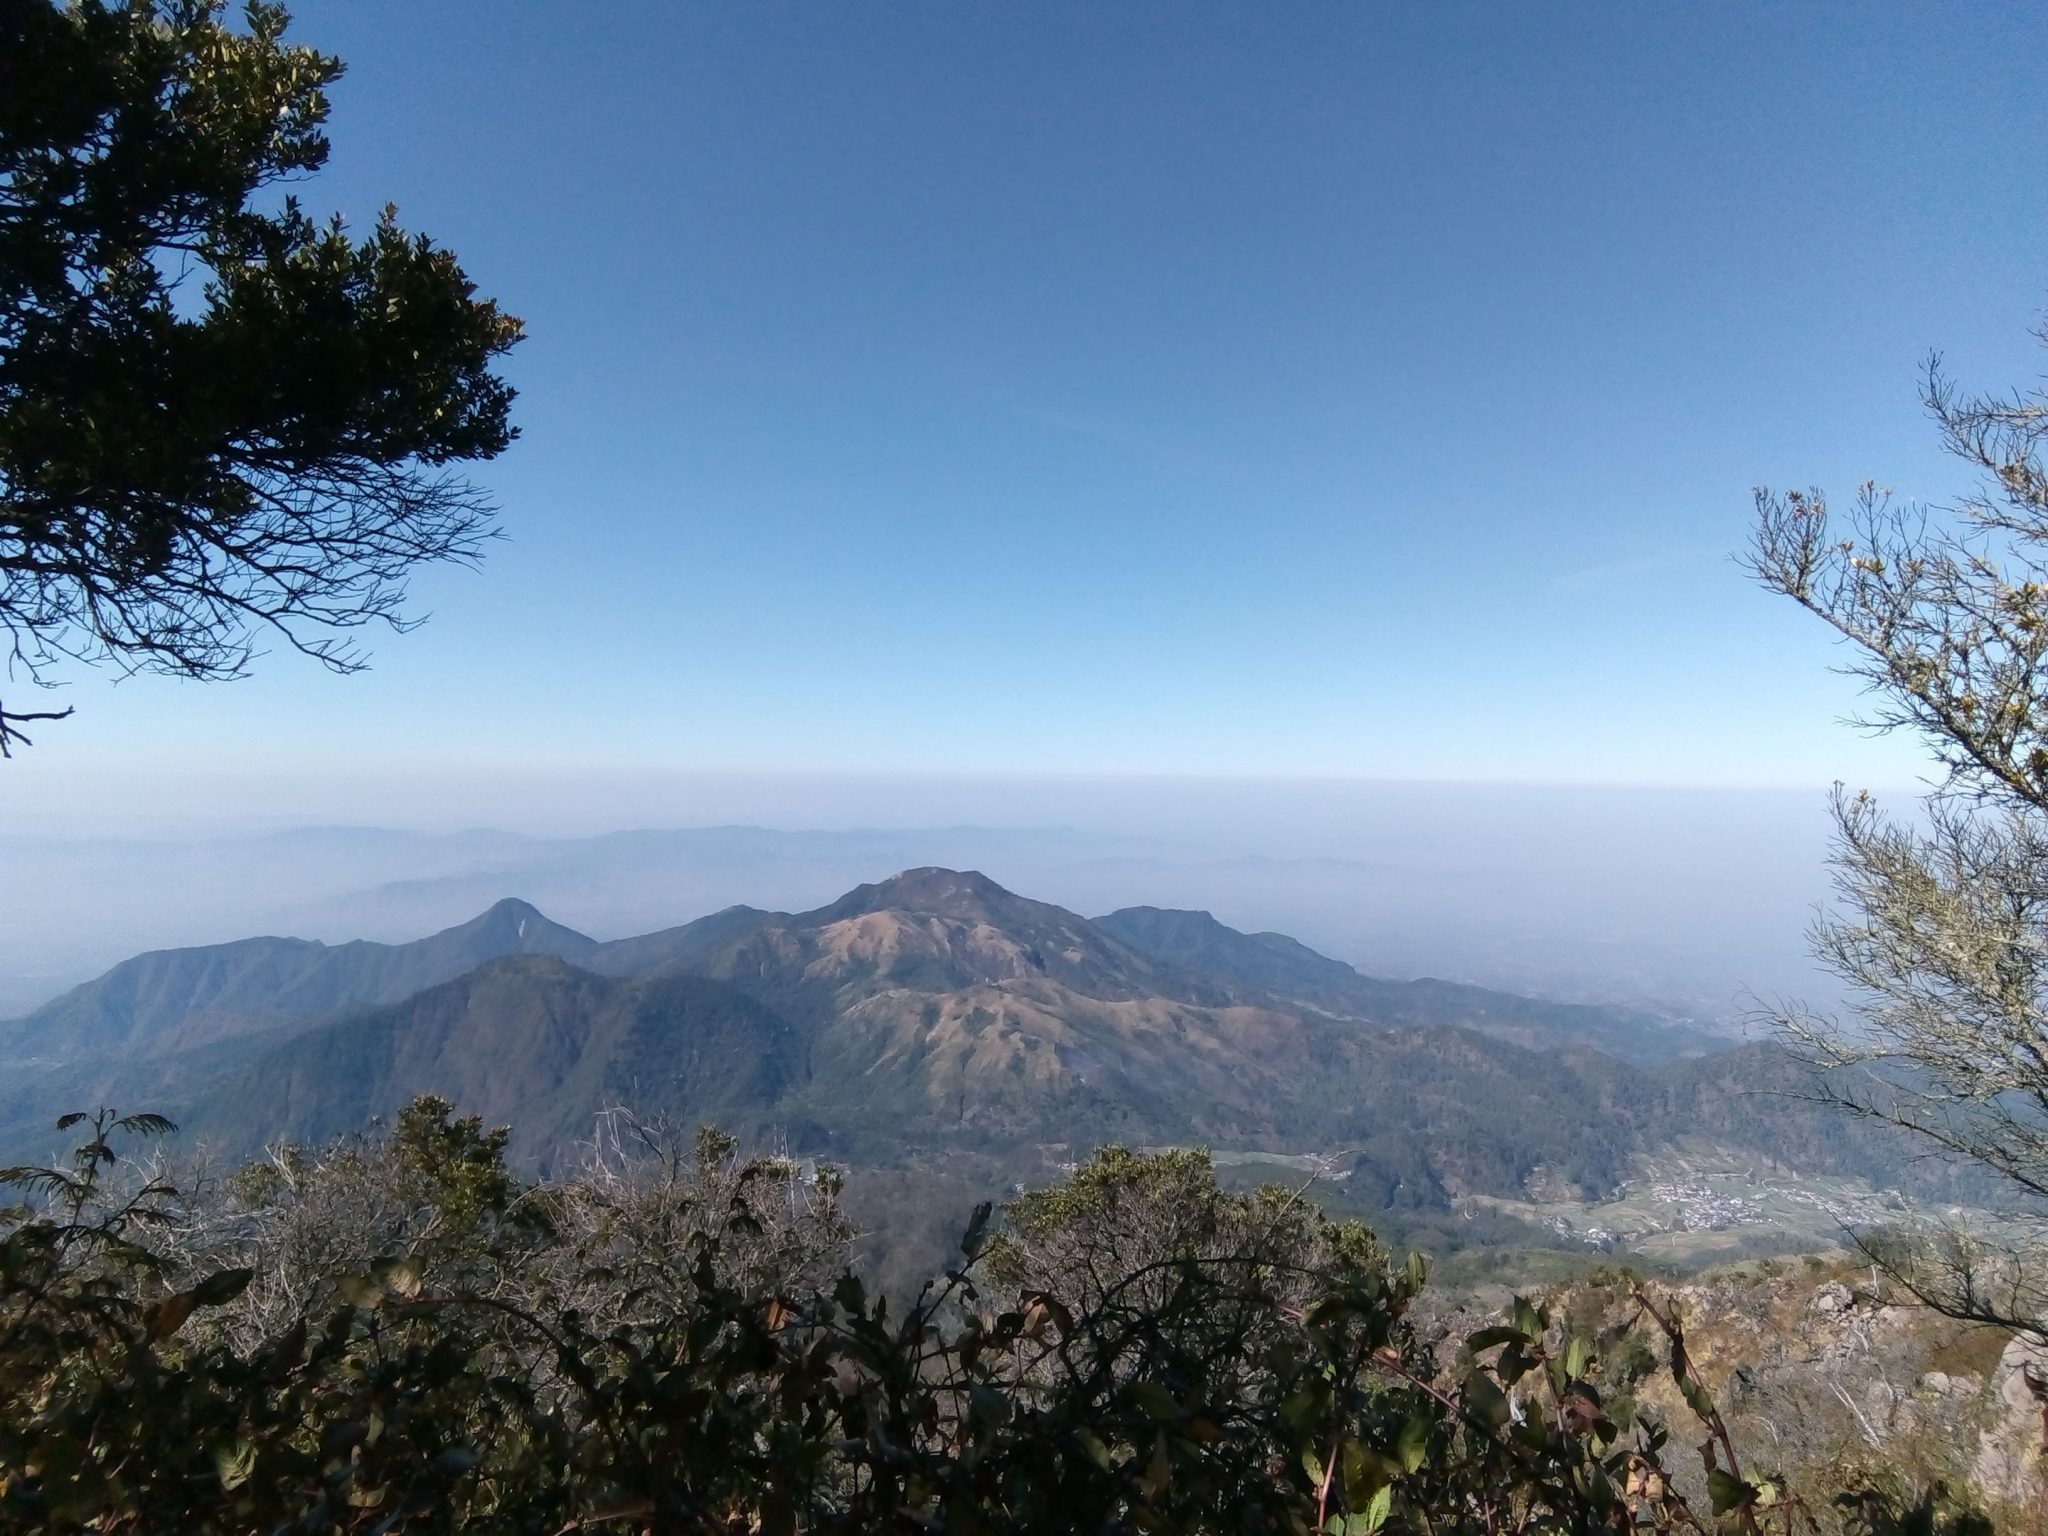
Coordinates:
[511,907]
[966,894]
[513,926]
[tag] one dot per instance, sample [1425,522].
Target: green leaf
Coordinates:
[1696,1398]
[1578,1354]
[359,1290]
[1092,1444]
[1484,1401]
[1350,1302]
[1364,1474]
[1158,1474]
[1375,1512]
[1312,1464]
[1513,1364]
[1154,1400]
[1486,1338]
[1302,1406]
[235,1462]
[1412,1448]
[1727,1491]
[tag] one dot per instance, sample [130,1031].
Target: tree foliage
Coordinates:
[1944,933]
[510,1363]
[219,417]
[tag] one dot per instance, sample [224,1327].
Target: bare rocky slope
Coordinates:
[1830,1373]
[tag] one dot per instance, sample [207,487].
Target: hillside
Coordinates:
[928,1018]
[174,999]
[526,1039]
[1275,965]
[935,1010]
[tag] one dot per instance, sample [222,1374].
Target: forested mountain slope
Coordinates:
[525,1039]
[176,998]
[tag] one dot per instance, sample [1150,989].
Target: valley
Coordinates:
[1685,1204]
[1692,1203]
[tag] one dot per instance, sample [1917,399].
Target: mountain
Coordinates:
[1275,966]
[1269,963]
[678,948]
[933,1016]
[179,998]
[939,930]
[938,1004]
[526,1040]
[932,1010]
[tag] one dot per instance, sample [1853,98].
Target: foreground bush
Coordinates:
[397,1335]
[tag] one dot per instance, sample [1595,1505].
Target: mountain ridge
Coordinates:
[931,1015]
[178,998]
[1277,965]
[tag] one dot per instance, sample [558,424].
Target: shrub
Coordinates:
[655,1342]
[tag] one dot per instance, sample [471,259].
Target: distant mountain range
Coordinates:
[931,1014]
[1677,903]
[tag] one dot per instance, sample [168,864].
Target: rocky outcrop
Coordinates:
[1837,1378]
[2010,1457]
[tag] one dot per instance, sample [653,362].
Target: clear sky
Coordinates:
[1334,390]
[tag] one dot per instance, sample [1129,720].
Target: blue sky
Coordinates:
[1325,390]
